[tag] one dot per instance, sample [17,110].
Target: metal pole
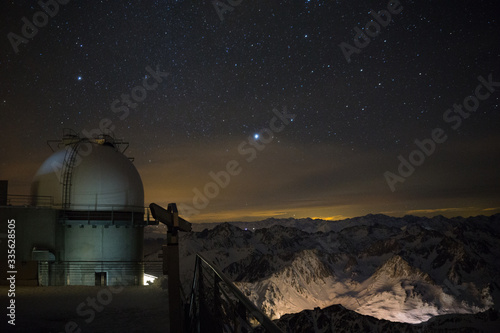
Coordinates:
[174,293]
[170,217]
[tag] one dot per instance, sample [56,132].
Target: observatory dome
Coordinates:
[99,178]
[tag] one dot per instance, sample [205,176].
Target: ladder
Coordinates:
[69,164]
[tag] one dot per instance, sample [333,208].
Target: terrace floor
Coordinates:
[91,309]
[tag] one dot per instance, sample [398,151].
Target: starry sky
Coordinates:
[217,80]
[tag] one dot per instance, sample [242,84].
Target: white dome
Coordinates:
[103,180]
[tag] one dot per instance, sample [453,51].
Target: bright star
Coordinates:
[79,78]
[256,136]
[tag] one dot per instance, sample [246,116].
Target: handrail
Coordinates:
[45,201]
[264,320]
[48,201]
[27,200]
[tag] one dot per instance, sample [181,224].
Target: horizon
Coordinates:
[467,212]
[344,219]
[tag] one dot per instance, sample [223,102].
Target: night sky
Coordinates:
[347,127]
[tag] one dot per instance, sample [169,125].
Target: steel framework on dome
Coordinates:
[71,141]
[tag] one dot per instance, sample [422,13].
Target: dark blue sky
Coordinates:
[352,120]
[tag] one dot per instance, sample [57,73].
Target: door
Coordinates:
[100,278]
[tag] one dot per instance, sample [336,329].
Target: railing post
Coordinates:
[191,318]
[217,322]
[203,321]
[200,294]
[240,316]
[217,303]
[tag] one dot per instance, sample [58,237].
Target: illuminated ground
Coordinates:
[50,309]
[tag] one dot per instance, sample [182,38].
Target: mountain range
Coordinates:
[406,270]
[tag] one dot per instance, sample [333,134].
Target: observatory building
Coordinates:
[83,223]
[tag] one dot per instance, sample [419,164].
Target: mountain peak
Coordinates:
[397,268]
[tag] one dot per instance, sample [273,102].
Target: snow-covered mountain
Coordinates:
[336,318]
[406,269]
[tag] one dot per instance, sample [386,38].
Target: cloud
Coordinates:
[435,211]
[292,179]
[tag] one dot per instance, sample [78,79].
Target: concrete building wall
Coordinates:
[97,249]
[34,227]
[91,274]
[103,243]
[113,252]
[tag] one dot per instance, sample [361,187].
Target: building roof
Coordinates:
[96,177]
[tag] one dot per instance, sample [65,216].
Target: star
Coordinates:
[226,80]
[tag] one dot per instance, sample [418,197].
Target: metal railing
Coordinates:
[80,272]
[111,216]
[217,305]
[138,214]
[29,200]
